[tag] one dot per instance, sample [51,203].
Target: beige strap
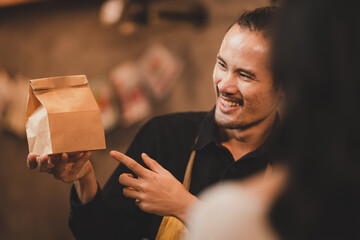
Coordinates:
[171,227]
[268,172]
[187,177]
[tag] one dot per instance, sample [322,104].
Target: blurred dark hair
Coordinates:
[315,58]
[258,20]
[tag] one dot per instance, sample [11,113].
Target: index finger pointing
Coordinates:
[130,163]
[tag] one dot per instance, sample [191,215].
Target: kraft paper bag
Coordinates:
[63,116]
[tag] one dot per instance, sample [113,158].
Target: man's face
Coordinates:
[243,81]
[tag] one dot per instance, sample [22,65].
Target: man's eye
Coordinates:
[222,65]
[245,77]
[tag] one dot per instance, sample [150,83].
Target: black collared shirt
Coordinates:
[168,139]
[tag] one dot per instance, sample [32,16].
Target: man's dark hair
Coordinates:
[316,60]
[258,20]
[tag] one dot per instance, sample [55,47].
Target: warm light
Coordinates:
[4,3]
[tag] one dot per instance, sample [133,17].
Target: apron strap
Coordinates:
[268,172]
[171,227]
[187,177]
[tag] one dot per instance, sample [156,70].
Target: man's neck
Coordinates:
[240,142]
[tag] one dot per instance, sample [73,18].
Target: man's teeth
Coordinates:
[229,103]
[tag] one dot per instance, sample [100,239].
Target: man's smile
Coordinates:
[229,104]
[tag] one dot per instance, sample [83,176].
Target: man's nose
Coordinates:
[228,84]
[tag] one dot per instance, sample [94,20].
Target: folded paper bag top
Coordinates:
[63,116]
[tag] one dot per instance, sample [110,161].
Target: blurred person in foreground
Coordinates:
[315,194]
[230,142]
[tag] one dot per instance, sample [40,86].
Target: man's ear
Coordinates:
[282,101]
[281,93]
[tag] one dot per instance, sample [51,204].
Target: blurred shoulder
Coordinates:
[229,211]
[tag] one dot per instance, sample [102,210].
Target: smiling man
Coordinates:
[247,97]
[197,149]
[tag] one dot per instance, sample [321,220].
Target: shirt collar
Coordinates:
[269,147]
[208,131]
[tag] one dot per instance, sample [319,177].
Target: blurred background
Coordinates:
[142,58]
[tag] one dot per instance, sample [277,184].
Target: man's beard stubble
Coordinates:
[240,125]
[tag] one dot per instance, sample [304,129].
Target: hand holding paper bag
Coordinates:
[68,168]
[64,167]
[63,116]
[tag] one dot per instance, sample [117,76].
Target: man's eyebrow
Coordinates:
[221,59]
[248,72]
